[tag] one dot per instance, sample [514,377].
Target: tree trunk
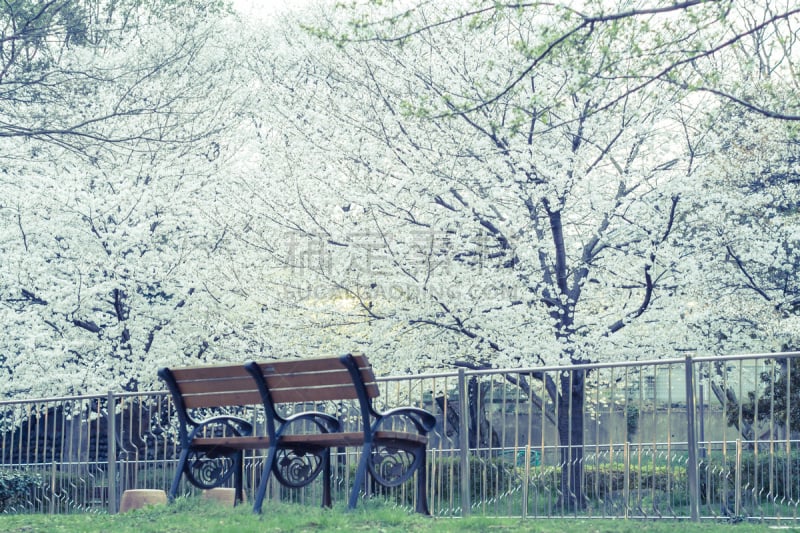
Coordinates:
[481,434]
[570,434]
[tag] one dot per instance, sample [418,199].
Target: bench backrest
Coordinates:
[289,381]
[215,386]
[316,380]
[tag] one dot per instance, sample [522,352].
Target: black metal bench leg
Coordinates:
[262,485]
[361,474]
[326,482]
[422,483]
[176,481]
[238,477]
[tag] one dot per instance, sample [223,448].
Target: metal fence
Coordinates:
[713,437]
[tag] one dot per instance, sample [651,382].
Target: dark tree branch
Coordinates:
[119,305]
[32,298]
[751,283]
[649,283]
[22,231]
[750,105]
[88,325]
[457,326]
[588,23]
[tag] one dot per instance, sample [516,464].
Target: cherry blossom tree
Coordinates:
[69,76]
[473,184]
[115,133]
[517,185]
[691,44]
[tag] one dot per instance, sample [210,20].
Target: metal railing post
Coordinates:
[691,438]
[111,428]
[463,442]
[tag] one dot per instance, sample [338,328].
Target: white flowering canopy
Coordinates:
[454,182]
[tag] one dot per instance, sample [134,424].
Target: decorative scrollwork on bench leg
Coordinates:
[391,466]
[210,469]
[297,468]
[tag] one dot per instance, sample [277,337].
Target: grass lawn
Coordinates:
[201,516]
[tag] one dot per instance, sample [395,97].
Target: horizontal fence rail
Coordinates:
[712,437]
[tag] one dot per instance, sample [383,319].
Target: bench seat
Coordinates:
[322,440]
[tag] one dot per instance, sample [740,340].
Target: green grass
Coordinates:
[201,516]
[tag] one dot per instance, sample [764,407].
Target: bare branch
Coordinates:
[751,283]
[588,23]
[649,283]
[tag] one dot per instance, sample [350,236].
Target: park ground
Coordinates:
[201,516]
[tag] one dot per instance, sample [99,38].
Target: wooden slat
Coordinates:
[299,366]
[366,369]
[352,438]
[237,443]
[315,379]
[321,364]
[367,375]
[244,383]
[313,394]
[373,391]
[222,399]
[345,391]
[192,373]
[383,437]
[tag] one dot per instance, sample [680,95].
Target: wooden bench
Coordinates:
[393,443]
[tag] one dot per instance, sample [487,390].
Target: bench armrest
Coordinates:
[238,426]
[422,419]
[324,421]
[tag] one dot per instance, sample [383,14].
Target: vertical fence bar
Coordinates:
[626,484]
[526,486]
[771,479]
[670,470]
[738,479]
[691,465]
[756,479]
[48,423]
[112,454]
[787,490]
[463,438]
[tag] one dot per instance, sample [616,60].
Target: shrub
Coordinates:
[776,470]
[488,477]
[16,488]
[667,483]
